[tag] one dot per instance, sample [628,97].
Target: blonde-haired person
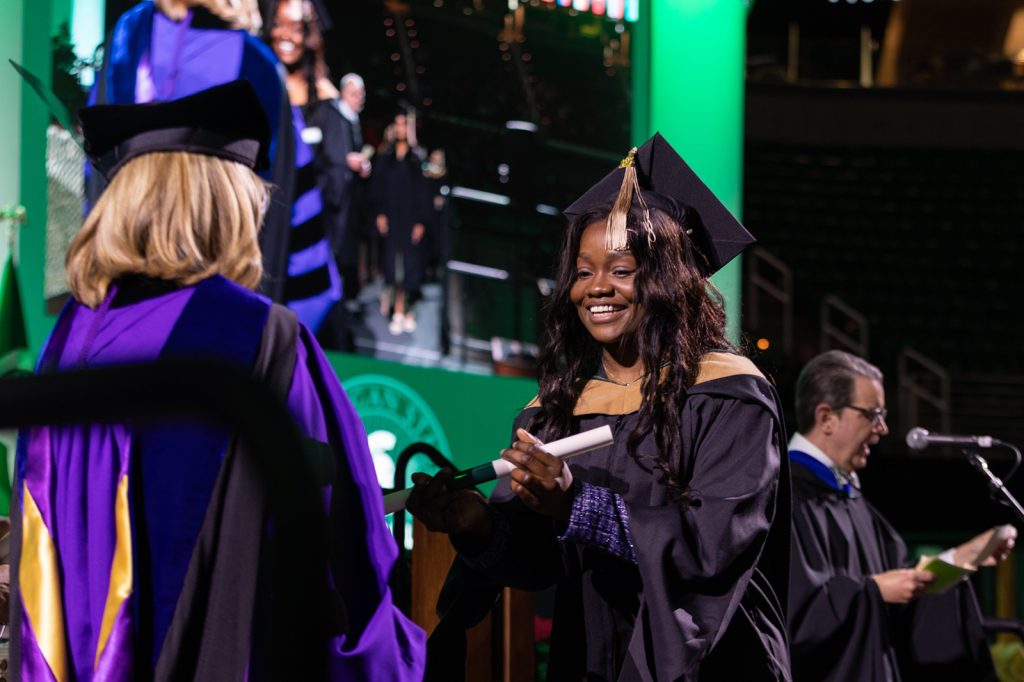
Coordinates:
[135,571]
[161,50]
[173,216]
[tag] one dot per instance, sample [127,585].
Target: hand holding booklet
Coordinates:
[948,572]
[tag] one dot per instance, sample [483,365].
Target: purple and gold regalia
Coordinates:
[125,529]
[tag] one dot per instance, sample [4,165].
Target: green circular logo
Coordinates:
[395,416]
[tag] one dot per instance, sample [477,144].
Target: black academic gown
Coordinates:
[337,182]
[840,628]
[400,191]
[702,601]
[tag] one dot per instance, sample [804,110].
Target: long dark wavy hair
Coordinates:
[683,319]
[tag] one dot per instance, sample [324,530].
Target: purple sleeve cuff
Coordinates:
[599,519]
[481,557]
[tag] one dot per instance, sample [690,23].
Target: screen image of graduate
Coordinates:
[313,284]
[857,608]
[161,50]
[668,549]
[129,529]
[403,206]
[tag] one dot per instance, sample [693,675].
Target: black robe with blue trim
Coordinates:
[840,628]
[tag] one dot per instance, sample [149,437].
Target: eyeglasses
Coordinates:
[876,415]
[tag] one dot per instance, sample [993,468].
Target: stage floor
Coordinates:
[422,347]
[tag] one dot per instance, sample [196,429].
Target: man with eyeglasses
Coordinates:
[856,606]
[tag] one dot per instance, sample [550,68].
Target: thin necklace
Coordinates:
[616,381]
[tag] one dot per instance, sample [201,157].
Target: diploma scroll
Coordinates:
[563,448]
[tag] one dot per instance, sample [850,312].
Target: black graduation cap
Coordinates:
[666,182]
[226,121]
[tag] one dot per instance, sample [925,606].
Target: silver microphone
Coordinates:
[918,439]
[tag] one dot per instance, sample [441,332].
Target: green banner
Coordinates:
[468,417]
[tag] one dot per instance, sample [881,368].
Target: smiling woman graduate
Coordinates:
[669,549]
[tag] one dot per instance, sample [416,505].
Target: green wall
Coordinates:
[62,11]
[688,64]
[11,23]
[28,119]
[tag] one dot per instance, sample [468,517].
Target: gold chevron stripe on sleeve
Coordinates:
[40,587]
[120,568]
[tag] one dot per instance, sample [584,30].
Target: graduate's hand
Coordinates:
[542,481]
[382,225]
[902,585]
[968,552]
[444,511]
[417,233]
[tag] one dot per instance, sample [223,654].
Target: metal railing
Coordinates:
[924,391]
[843,327]
[769,278]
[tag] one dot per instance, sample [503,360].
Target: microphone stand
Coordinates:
[995,484]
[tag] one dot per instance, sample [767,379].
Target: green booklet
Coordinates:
[946,574]
[984,546]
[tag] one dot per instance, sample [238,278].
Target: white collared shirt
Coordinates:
[799,442]
[348,112]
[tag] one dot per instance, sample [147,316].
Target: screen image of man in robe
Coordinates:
[343,169]
[858,609]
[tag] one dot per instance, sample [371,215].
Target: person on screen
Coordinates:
[313,285]
[400,195]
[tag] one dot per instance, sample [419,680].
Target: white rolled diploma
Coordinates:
[563,448]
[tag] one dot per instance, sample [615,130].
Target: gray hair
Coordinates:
[352,79]
[828,378]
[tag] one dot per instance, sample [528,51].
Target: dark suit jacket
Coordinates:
[338,183]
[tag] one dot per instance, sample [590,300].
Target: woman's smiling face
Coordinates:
[288,32]
[604,291]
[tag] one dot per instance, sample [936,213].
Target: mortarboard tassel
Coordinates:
[616,236]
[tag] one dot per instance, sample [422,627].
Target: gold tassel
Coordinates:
[616,238]
[645,213]
[616,235]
